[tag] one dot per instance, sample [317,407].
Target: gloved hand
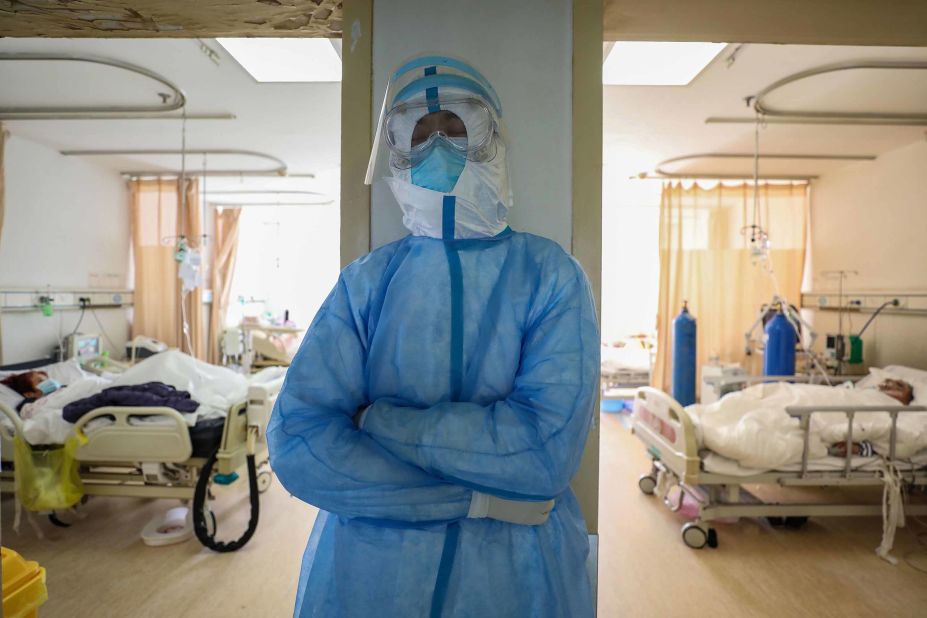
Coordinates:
[512,511]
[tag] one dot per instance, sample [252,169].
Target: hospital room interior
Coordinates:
[186,196]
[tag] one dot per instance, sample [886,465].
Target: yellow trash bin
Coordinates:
[23,586]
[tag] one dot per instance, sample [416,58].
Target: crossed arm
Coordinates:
[419,465]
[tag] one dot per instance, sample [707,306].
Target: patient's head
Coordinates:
[899,389]
[26,384]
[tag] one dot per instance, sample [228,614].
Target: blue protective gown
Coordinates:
[480,361]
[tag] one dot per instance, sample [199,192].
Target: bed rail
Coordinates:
[803,413]
[261,399]
[664,425]
[7,434]
[14,419]
[745,380]
[124,442]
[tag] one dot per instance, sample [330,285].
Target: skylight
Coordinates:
[647,63]
[286,60]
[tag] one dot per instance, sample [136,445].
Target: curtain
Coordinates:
[225,249]
[157,224]
[705,259]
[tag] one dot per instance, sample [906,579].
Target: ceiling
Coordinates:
[170,18]
[832,22]
[297,123]
[645,125]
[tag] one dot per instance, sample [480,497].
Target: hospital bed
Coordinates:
[625,366]
[160,460]
[669,434]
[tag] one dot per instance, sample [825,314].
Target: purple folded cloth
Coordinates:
[150,394]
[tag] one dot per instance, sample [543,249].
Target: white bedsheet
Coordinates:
[214,388]
[630,357]
[718,464]
[752,427]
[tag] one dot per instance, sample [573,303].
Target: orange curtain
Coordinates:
[225,249]
[157,224]
[705,259]
[154,209]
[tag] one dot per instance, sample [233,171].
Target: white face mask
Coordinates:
[480,201]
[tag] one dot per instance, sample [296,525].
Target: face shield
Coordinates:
[435,102]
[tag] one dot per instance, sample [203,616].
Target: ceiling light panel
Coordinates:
[648,63]
[286,60]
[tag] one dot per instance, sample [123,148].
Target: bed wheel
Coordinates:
[264,479]
[53,518]
[647,484]
[712,538]
[694,536]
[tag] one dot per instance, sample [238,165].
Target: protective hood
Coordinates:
[476,207]
[475,200]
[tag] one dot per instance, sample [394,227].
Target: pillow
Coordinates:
[908,374]
[876,376]
[917,378]
[65,372]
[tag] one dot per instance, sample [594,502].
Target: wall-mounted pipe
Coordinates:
[661,173]
[774,115]
[814,121]
[122,116]
[764,109]
[244,204]
[786,178]
[263,192]
[279,170]
[174,100]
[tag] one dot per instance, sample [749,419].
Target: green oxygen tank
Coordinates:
[856,350]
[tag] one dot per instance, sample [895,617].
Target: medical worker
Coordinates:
[441,400]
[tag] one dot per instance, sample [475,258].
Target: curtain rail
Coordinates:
[173,101]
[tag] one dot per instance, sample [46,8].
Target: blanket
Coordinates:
[752,427]
[149,394]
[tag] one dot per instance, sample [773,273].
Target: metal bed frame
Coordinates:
[156,461]
[664,426]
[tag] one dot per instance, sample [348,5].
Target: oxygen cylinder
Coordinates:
[779,355]
[684,357]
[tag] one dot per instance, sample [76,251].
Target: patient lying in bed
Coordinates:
[213,389]
[897,389]
[752,427]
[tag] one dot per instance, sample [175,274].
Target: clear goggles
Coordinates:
[464,124]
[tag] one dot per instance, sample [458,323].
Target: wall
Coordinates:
[66,220]
[823,22]
[524,48]
[872,217]
[287,257]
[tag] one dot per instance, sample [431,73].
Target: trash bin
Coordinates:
[23,586]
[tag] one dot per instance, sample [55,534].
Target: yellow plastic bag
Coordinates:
[47,477]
